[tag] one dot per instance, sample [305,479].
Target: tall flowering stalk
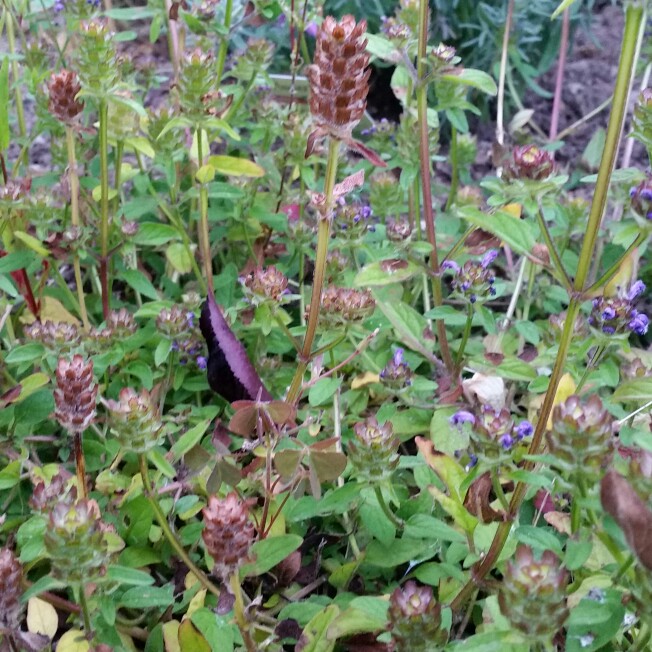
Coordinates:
[339,83]
[581,289]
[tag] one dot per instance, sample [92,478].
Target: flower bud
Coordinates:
[533,594]
[396,374]
[134,420]
[75,395]
[63,88]
[529,163]
[374,451]
[196,82]
[398,230]
[59,337]
[98,65]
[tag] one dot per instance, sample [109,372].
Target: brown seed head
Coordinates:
[266,283]
[228,533]
[339,78]
[76,394]
[63,88]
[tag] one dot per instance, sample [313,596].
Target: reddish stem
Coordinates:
[104,283]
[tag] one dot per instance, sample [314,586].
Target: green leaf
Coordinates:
[577,552]
[315,634]
[450,316]
[538,538]
[46,583]
[271,551]
[16,260]
[400,551]
[140,144]
[189,439]
[561,7]
[190,640]
[639,390]
[474,78]
[355,621]
[131,576]
[517,233]
[32,243]
[236,167]
[381,47]
[205,174]
[10,475]
[5,135]
[162,351]
[147,597]
[323,390]
[30,384]
[384,272]
[139,282]
[157,458]
[217,631]
[179,257]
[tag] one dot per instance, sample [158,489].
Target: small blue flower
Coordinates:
[452,265]
[608,313]
[636,290]
[506,441]
[488,258]
[524,429]
[201,362]
[461,417]
[639,323]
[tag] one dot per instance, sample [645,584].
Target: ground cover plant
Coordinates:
[276,375]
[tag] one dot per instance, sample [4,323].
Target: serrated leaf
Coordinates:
[42,618]
[236,167]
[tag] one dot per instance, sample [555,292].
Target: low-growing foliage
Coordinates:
[275,376]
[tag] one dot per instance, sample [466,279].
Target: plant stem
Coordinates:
[396,522]
[239,613]
[498,489]
[85,612]
[169,534]
[18,98]
[500,117]
[224,44]
[323,236]
[559,81]
[465,338]
[552,250]
[74,214]
[104,207]
[455,172]
[633,18]
[426,185]
[80,465]
[204,232]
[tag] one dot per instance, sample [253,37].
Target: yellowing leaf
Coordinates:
[33,243]
[514,210]
[42,618]
[624,276]
[565,389]
[190,640]
[53,310]
[171,636]
[367,378]
[236,167]
[179,257]
[196,603]
[97,193]
[30,384]
[73,641]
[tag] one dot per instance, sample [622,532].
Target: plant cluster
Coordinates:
[270,381]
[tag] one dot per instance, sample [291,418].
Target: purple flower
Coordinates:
[608,313]
[524,429]
[452,265]
[609,330]
[506,441]
[488,258]
[201,362]
[190,319]
[398,357]
[311,29]
[636,290]
[59,5]
[174,346]
[461,417]
[639,323]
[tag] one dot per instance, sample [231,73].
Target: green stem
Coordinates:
[498,489]
[465,338]
[239,613]
[426,184]
[455,172]
[323,236]
[644,635]
[169,534]
[20,111]
[396,522]
[224,44]
[500,117]
[633,18]
[233,110]
[104,207]
[552,250]
[74,214]
[204,232]
[83,603]
[593,363]
[80,465]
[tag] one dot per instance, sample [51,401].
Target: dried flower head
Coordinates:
[75,395]
[266,283]
[122,323]
[46,496]
[63,88]
[228,533]
[59,337]
[374,451]
[339,78]
[415,619]
[529,163]
[398,230]
[533,594]
[134,420]
[346,306]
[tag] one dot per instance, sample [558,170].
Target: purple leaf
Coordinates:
[229,370]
